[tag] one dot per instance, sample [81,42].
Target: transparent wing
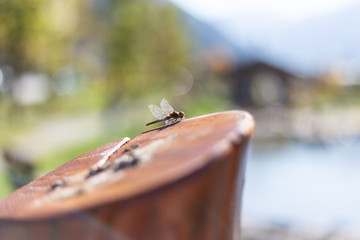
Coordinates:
[166,106]
[158,112]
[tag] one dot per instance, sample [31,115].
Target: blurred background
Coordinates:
[77,74]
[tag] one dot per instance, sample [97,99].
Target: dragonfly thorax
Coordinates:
[177,115]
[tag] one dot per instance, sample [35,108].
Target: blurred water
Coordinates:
[295,184]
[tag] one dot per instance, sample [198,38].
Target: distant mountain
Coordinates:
[321,41]
[306,48]
[203,36]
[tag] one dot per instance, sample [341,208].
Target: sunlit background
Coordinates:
[77,74]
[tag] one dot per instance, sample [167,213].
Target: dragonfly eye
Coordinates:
[181,114]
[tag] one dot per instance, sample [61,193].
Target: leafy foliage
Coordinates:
[146,47]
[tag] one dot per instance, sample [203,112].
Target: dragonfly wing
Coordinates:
[164,104]
[158,112]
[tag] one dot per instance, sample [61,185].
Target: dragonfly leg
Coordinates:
[171,120]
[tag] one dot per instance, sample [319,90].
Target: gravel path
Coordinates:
[58,132]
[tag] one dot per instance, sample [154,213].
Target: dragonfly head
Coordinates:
[181,114]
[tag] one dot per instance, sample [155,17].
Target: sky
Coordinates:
[213,10]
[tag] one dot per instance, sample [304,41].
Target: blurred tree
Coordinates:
[35,35]
[16,18]
[137,46]
[146,46]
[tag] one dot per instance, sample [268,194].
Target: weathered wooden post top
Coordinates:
[179,181]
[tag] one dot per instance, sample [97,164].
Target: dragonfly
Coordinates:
[165,113]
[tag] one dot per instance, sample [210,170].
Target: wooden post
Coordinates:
[178,181]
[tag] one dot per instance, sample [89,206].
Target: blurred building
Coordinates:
[261,84]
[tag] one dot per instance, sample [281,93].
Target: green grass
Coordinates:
[201,105]
[56,159]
